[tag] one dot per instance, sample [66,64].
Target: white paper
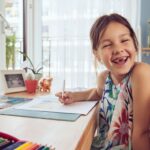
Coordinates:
[52,104]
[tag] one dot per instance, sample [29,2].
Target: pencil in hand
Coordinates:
[63,88]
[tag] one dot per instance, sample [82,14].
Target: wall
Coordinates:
[145,16]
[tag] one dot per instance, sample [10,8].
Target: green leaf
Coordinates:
[34,71]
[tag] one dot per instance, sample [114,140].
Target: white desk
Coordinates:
[63,135]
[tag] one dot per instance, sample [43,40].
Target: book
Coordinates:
[7,101]
[51,103]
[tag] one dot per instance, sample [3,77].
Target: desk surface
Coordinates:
[63,135]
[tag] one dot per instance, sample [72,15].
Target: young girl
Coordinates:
[123,89]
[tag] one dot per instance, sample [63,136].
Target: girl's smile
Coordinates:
[120,60]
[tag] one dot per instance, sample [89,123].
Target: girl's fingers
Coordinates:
[67,101]
[59,94]
[66,98]
[61,100]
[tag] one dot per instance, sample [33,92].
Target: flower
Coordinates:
[122,127]
[35,70]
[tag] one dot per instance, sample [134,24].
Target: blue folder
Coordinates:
[40,114]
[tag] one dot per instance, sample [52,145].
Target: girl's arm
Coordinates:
[141,106]
[90,94]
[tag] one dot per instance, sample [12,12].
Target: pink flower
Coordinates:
[121,128]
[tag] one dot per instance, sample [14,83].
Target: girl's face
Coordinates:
[116,49]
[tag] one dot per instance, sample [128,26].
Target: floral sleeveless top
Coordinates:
[116,115]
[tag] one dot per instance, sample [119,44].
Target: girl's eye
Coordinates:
[126,40]
[107,45]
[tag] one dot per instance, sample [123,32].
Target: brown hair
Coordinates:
[101,24]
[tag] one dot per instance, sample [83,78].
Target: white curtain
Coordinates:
[66,47]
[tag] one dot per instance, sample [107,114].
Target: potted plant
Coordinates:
[27,64]
[31,84]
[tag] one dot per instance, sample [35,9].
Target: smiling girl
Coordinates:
[123,89]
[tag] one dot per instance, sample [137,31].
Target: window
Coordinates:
[14,32]
[66,46]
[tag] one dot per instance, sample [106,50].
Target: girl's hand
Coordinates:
[66,98]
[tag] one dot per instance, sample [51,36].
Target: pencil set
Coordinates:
[8,142]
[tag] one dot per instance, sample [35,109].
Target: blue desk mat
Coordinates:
[40,114]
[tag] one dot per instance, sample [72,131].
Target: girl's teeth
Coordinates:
[120,60]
